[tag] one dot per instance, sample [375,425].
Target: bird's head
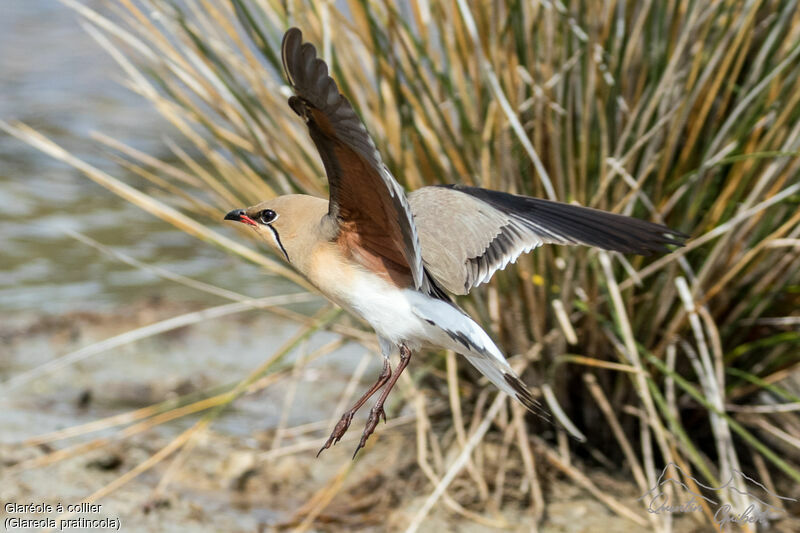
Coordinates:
[286,223]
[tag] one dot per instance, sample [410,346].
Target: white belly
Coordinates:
[398,315]
[388,310]
[416,319]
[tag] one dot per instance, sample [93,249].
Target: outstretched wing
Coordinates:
[469,233]
[369,206]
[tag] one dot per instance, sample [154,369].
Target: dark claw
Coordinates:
[372,422]
[376,412]
[338,432]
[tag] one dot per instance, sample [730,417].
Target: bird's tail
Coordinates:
[466,337]
[452,328]
[505,379]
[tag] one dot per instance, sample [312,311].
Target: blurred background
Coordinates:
[67,91]
[165,365]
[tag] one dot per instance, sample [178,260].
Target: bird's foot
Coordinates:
[376,412]
[375,415]
[338,432]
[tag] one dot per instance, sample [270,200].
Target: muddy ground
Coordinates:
[237,476]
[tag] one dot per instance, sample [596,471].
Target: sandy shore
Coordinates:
[242,473]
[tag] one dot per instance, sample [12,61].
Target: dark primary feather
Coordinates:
[369,206]
[573,224]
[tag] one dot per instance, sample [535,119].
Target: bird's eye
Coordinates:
[267,216]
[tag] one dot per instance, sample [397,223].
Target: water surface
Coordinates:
[54,77]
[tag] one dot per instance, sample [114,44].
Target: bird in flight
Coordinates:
[394,259]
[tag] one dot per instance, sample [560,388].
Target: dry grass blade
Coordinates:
[616,428]
[151,417]
[188,436]
[632,354]
[148,203]
[426,439]
[313,445]
[458,422]
[317,504]
[586,483]
[458,464]
[144,332]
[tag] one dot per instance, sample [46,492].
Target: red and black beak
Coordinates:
[239,216]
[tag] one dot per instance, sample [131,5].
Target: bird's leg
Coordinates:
[344,422]
[377,411]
